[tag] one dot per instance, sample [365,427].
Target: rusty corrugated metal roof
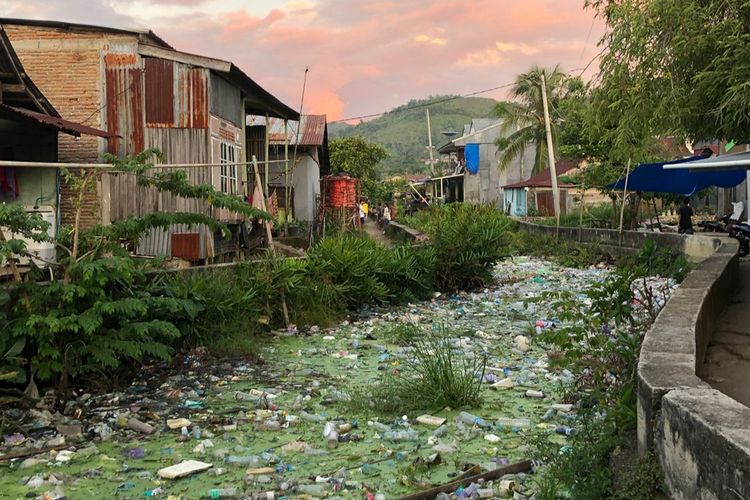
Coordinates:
[544,178]
[56,122]
[312,130]
[62,25]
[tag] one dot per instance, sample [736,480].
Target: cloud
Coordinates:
[429,39]
[240,22]
[364,56]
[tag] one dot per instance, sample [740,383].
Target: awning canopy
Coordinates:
[734,161]
[60,124]
[675,177]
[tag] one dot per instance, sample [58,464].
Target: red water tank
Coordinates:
[342,191]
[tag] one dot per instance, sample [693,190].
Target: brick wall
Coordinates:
[66,66]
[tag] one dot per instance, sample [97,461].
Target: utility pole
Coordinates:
[551,155]
[624,199]
[429,138]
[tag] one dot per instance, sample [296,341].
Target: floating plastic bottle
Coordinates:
[316,490]
[331,434]
[503,423]
[338,395]
[485,492]
[243,460]
[378,426]
[534,394]
[549,414]
[246,396]
[565,431]
[269,425]
[310,417]
[470,419]
[440,431]
[406,435]
[223,493]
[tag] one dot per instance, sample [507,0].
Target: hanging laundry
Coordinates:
[8,184]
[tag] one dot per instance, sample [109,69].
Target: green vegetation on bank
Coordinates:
[106,311]
[599,340]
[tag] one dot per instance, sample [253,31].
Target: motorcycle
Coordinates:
[741,232]
[718,225]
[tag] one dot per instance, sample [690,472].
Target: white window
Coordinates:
[228,176]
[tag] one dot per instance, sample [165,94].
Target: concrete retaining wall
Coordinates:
[700,435]
[696,247]
[401,233]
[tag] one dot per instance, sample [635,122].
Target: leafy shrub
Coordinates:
[356,271]
[107,313]
[581,470]
[468,240]
[654,260]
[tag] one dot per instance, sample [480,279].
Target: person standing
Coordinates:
[386,216]
[366,208]
[361,213]
[685,225]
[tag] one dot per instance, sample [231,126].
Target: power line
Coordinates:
[126,89]
[423,105]
[453,98]
[583,50]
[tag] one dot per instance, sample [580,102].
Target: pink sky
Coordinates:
[365,56]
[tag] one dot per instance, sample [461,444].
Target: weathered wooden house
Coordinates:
[305,144]
[148,95]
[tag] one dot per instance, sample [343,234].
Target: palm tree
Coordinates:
[523,118]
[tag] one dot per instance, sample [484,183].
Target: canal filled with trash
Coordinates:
[298,421]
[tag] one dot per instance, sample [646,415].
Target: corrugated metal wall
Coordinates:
[124,100]
[180,145]
[192,97]
[158,242]
[160,103]
[176,94]
[165,105]
[226,101]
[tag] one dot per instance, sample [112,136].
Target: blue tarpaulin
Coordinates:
[471,154]
[652,178]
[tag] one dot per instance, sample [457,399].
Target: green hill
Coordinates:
[403,131]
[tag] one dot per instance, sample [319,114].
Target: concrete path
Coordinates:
[374,232]
[727,365]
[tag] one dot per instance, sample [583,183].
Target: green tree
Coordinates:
[358,158]
[523,119]
[680,65]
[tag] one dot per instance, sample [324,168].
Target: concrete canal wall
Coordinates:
[700,435]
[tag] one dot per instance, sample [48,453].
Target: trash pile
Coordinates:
[295,425]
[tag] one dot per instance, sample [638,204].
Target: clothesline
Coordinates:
[105,166]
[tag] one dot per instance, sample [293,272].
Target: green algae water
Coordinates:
[262,426]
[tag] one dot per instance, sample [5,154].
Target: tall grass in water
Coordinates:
[434,375]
